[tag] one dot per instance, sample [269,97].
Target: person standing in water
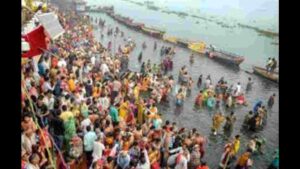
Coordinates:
[244,161]
[199,99]
[155,45]
[144,46]
[199,82]
[218,119]
[275,162]
[249,84]
[207,82]
[230,120]
[192,58]
[179,98]
[271,101]
[140,56]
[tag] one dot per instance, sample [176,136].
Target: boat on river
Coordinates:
[183,43]
[225,57]
[263,73]
[135,25]
[153,32]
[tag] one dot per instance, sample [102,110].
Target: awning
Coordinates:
[51,24]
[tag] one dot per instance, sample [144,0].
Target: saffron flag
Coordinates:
[37,40]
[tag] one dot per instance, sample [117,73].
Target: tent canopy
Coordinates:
[51,24]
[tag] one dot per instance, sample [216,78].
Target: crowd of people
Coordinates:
[82,105]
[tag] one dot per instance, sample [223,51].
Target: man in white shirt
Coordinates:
[88,141]
[144,161]
[98,149]
[238,88]
[104,68]
[47,86]
[182,161]
[86,122]
[62,63]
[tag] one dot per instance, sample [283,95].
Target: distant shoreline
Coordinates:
[150,6]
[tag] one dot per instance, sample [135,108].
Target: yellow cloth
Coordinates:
[72,85]
[236,146]
[136,92]
[123,110]
[140,115]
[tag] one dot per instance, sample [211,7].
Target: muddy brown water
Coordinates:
[188,116]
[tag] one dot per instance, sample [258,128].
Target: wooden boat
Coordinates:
[123,20]
[135,25]
[225,57]
[183,43]
[198,47]
[170,39]
[263,72]
[153,32]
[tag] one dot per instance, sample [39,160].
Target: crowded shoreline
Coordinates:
[116,108]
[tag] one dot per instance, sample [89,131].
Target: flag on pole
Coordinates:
[37,39]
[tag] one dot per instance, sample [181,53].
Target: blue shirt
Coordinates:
[88,140]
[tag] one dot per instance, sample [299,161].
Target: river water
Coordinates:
[189,117]
[246,42]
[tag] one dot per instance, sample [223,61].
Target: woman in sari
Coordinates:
[199,99]
[141,109]
[124,107]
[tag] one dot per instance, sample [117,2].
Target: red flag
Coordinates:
[37,39]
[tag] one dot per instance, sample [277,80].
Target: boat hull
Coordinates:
[154,34]
[225,58]
[263,73]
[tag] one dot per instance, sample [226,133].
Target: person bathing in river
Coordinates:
[199,99]
[179,98]
[140,56]
[230,120]
[199,82]
[211,102]
[244,161]
[144,46]
[217,119]
[271,101]
[227,157]
[155,46]
[189,86]
[249,84]
[192,58]
[241,100]
[207,82]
